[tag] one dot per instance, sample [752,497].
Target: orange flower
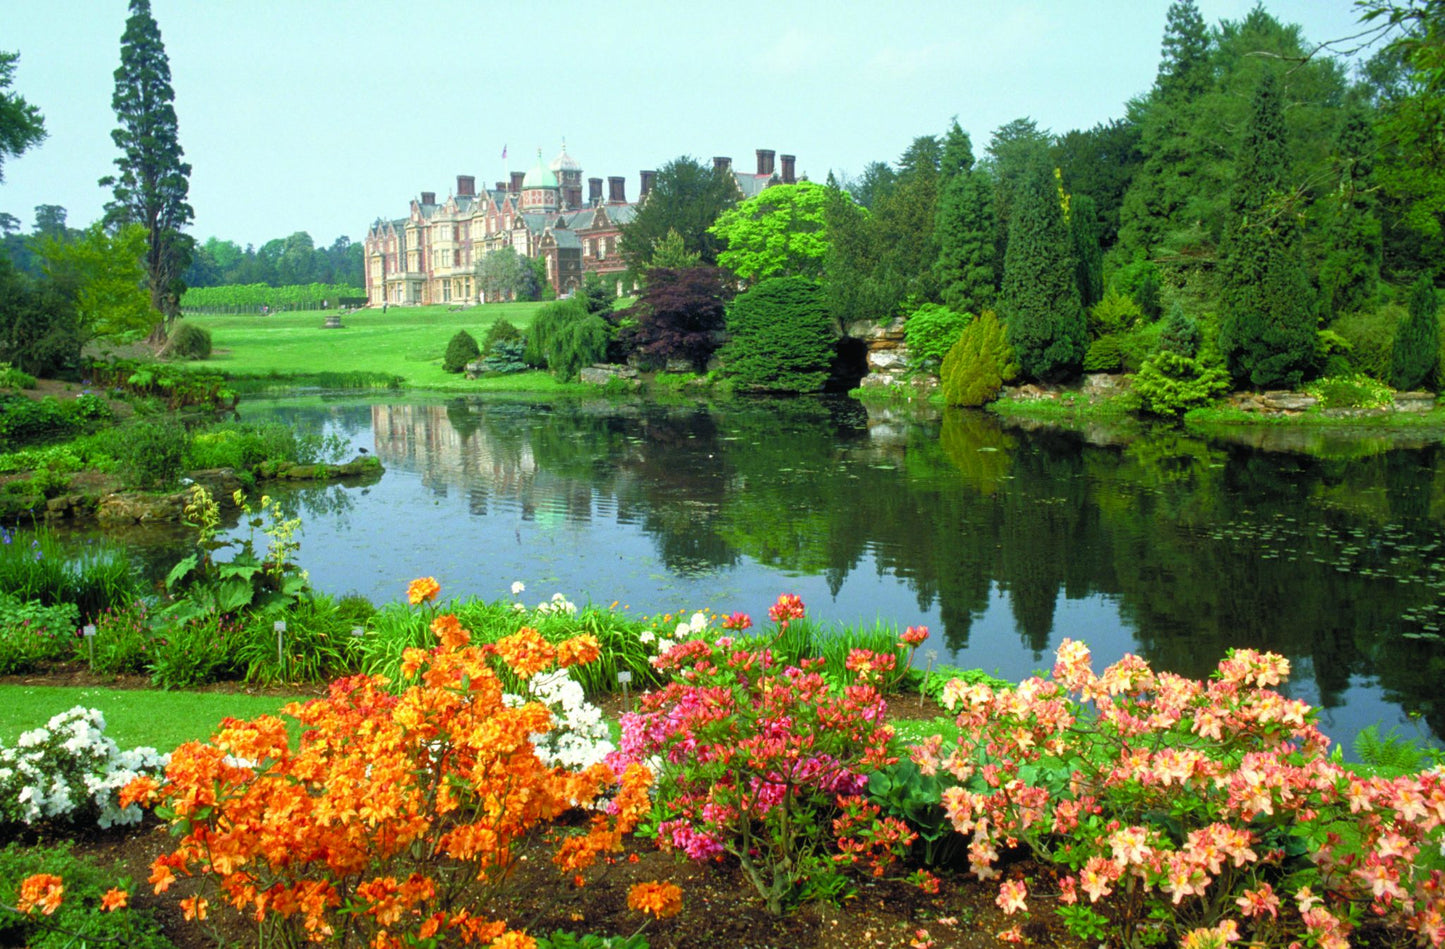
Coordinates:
[449,632]
[660,899]
[578,651]
[514,940]
[525,652]
[114,899]
[422,589]
[43,891]
[140,790]
[195,907]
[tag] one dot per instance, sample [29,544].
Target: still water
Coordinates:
[1000,540]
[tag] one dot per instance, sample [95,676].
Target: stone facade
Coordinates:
[434,254]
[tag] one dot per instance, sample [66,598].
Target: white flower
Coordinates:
[698,622]
[517,587]
[647,636]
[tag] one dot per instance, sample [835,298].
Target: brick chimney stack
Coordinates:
[466,186]
[594,190]
[516,186]
[788,162]
[765,161]
[428,197]
[616,190]
[501,186]
[720,163]
[646,186]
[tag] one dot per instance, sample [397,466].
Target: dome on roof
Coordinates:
[539,176]
[565,162]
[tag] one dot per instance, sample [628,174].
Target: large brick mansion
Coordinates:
[433,255]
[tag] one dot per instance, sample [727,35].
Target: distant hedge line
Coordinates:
[257,295]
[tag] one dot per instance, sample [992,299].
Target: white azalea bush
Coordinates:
[71,771]
[579,738]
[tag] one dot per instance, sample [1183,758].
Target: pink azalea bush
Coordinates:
[756,758]
[1188,813]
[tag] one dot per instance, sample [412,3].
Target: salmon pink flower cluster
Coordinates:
[1192,813]
[341,838]
[788,607]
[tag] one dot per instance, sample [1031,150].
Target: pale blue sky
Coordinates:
[321,115]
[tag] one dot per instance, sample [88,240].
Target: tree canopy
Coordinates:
[781,232]
[21,124]
[687,197]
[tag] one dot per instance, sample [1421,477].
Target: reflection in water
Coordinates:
[1004,541]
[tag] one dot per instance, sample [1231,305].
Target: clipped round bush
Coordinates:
[189,342]
[782,337]
[460,351]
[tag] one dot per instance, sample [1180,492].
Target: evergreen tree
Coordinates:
[964,229]
[1015,148]
[1351,268]
[153,183]
[1184,63]
[21,124]
[1040,299]
[1089,259]
[1417,342]
[687,197]
[1267,330]
[905,215]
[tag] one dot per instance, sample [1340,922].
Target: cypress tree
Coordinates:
[964,229]
[153,182]
[1417,341]
[1040,300]
[1267,329]
[1351,269]
[1089,259]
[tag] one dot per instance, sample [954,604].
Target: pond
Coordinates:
[1002,541]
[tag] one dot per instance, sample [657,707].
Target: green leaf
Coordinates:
[178,572]
[233,594]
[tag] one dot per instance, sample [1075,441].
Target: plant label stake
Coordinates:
[89,631]
[357,632]
[623,678]
[280,627]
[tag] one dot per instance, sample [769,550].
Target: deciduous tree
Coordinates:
[153,182]
[780,232]
[681,313]
[101,272]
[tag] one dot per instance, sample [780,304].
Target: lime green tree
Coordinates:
[102,272]
[978,364]
[782,232]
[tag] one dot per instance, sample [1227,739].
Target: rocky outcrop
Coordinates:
[286,471]
[603,373]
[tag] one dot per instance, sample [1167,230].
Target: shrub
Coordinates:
[930,332]
[1188,802]
[152,452]
[1181,333]
[395,818]
[1115,313]
[188,341]
[1169,384]
[547,322]
[782,338]
[461,350]
[82,919]
[501,331]
[978,364]
[1371,338]
[12,378]
[681,314]
[70,771]
[32,634]
[1139,280]
[1417,342]
[1351,392]
[578,345]
[758,760]
[1104,355]
[505,356]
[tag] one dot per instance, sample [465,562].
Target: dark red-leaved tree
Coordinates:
[681,314]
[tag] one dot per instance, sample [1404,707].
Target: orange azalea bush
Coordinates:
[397,817]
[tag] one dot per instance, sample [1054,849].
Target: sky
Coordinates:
[324,115]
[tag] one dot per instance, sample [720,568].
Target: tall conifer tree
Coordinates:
[1088,258]
[964,229]
[1040,299]
[153,183]
[1267,330]
[1417,341]
[1351,268]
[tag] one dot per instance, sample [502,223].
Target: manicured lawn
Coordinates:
[133,717]
[405,341]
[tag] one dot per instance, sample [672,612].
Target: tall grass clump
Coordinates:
[34,565]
